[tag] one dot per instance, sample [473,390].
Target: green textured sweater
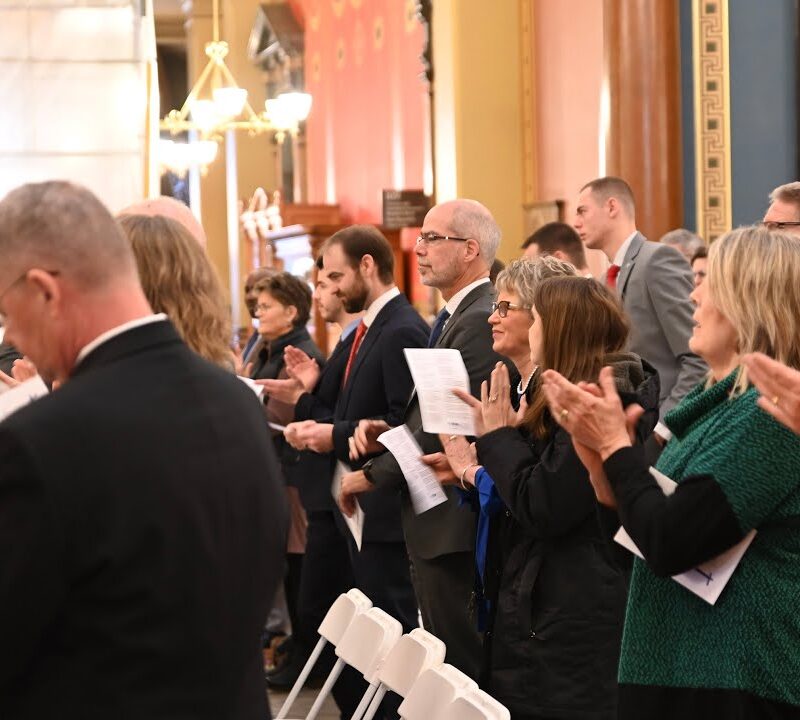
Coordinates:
[749,640]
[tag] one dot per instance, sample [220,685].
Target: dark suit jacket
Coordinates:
[8,354]
[449,527]
[143,527]
[655,282]
[315,471]
[378,387]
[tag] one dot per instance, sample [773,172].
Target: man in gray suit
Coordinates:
[784,209]
[455,251]
[654,282]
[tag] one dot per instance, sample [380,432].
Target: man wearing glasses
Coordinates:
[455,252]
[784,209]
[141,525]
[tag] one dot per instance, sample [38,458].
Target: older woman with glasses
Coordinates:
[555,595]
[511,313]
[736,470]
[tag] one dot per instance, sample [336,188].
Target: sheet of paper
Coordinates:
[253,385]
[21,395]
[277,427]
[355,523]
[424,488]
[708,580]
[436,371]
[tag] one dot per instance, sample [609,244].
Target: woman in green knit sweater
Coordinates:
[737,470]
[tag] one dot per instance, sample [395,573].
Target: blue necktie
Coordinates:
[438,326]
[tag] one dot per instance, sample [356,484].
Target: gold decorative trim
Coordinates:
[528,69]
[712,117]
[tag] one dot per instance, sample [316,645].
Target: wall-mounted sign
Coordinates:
[404,208]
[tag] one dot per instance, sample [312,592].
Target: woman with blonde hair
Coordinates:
[736,470]
[179,280]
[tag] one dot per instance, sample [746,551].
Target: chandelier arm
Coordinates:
[195,91]
[215,12]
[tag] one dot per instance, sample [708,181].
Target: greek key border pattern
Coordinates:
[712,117]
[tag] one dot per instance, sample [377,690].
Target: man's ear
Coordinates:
[561,255]
[46,283]
[613,207]
[367,265]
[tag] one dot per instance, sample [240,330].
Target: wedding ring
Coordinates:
[493,398]
[775,401]
[564,414]
[452,437]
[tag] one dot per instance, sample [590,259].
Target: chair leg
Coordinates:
[326,689]
[301,679]
[376,702]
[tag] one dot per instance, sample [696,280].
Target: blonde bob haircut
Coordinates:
[179,280]
[754,281]
[524,275]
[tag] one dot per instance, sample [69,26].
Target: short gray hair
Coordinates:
[473,220]
[58,225]
[788,193]
[523,276]
[688,241]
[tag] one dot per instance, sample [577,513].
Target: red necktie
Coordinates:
[361,330]
[611,276]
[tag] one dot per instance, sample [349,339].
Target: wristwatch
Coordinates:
[366,468]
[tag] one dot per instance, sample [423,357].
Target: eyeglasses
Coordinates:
[430,237]
[260,308]
[779,224]
[13,284]
[502,307]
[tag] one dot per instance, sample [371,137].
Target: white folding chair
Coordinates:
[475,705]
[409,658]
[364,645]
[433,691]
[336,621]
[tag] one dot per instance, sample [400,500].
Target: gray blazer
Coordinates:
[448,527]
[655,282]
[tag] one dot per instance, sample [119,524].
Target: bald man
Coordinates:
[173,209]
[455,252]
[141,522]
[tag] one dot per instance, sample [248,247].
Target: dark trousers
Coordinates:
[326,575]
[444,587]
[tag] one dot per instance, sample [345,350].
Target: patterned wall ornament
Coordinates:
[356,3]
[316,67]
[378,33]
[411,16]
[340,54]
[338,7]
[314,16]
[712,117]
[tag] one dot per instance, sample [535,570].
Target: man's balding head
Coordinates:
[457,245]
[67,275]
[173,209]
[63,226]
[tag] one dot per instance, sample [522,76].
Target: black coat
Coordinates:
[557,593]
[269,364]
[143,528]
[315,471]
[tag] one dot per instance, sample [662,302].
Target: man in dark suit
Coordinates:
[142,521]
[376,384]
[654,282]
[455,251]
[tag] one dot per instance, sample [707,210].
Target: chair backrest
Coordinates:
[368,640]
[409,658]
[341,614]
[434,690]
[475,705]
